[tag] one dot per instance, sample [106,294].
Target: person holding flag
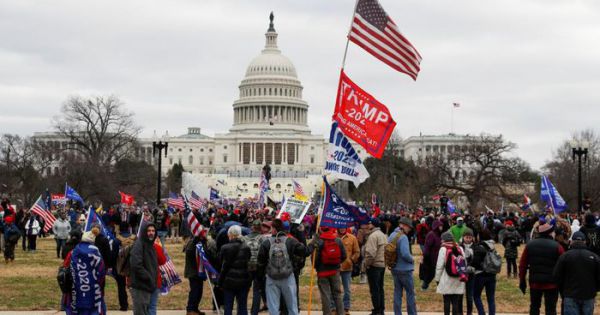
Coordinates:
[146,281]
[190,272]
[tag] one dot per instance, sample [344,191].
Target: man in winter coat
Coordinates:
[375,265]
[577,273]
[191,273]
[61,229]
[403,270]
[540,257]
[11,237]
[330,252]
[352,256]
[234,277]
[458,229]
[592,233]
[145,257]
[511,241]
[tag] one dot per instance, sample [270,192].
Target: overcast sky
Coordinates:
[527,69]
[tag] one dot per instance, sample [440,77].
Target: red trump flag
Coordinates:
[126,199]
[362,118]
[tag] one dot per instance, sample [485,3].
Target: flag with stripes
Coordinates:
[175,201]
[374,31]
[195,200]
[192,221]
[169,275]
[298,191]
[41,210]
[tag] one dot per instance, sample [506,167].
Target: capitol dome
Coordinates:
[270,97]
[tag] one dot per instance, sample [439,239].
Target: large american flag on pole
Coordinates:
[374,31]
[195,201]
[192,221]
[41,210]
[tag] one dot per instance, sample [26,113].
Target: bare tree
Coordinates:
[98,128]
[481,169]
[562,169]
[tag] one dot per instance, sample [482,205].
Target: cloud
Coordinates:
[526,69]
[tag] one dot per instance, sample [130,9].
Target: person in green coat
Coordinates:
[458,230]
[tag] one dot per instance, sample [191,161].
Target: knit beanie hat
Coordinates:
[447,237]
[90,236]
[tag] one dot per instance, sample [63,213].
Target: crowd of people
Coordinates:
[259,250]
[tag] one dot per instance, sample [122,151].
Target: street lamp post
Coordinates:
[160,145]
[580,150]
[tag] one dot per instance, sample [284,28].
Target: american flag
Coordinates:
[175,201]
[169,275]
[192,221]
[40,209]
[195,200]
[374,31]
[298,191]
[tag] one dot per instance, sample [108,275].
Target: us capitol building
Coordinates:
[270,126]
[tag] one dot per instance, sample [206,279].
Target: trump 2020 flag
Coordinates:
[338,214]
[94,219]
[550,195]
[342,160]
[205,269]
[451,206]
[71,194]
[214,194]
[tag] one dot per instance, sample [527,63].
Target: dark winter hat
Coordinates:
[406,221]
[447,237]
[375,222]
[468,232]
[578,236]
[590,219]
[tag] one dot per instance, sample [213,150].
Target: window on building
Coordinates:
[179,150]
[278,186]
[170,161]
[255,185]
[312,159]
[201,161]
[201,149]
[209,162]
[225,158]
[179,160]
[209,150]
[191,150]
[190,160]
[225,147]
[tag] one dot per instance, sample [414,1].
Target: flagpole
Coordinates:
[452,119]
[213,294]
[312,269]
[348,39]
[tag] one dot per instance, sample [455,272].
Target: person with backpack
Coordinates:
[577,274]
[487,264]
[592,233]
[234,277]
[123,246]
[352,257]
[375,265]
[274,263]
[253,241]
[540,256]
[11,238]
[511,241]
[401,262]
[329,253]
[450,274]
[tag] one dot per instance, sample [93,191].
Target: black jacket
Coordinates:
[542,254]
[577,273]
[480,250]
[592,236]
[191,266]
[104,247]
[234,273]
[143,263]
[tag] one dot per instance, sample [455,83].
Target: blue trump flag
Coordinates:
[451,206]
[205,269]
[338,214]
[214,194]
[550,195]
[71,194]
[94,219]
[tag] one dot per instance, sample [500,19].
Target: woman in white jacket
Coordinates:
[32,229]
[451,288]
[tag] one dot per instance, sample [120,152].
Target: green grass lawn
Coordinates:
[30,284]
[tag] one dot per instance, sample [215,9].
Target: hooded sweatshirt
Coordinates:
[145,257]
[433,242]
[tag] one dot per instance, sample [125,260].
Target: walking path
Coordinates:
[182,312]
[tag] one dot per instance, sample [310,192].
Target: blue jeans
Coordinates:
[60,243]
[489,283]
[578,307]
[346,280]
[403,280]
[277,288]
[241,295]
[154,302]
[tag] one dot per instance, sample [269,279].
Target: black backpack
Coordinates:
[64,279]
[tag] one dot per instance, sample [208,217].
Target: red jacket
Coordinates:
[162,259]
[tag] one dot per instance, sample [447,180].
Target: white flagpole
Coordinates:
[348,36]
[452,119]
[212,291]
